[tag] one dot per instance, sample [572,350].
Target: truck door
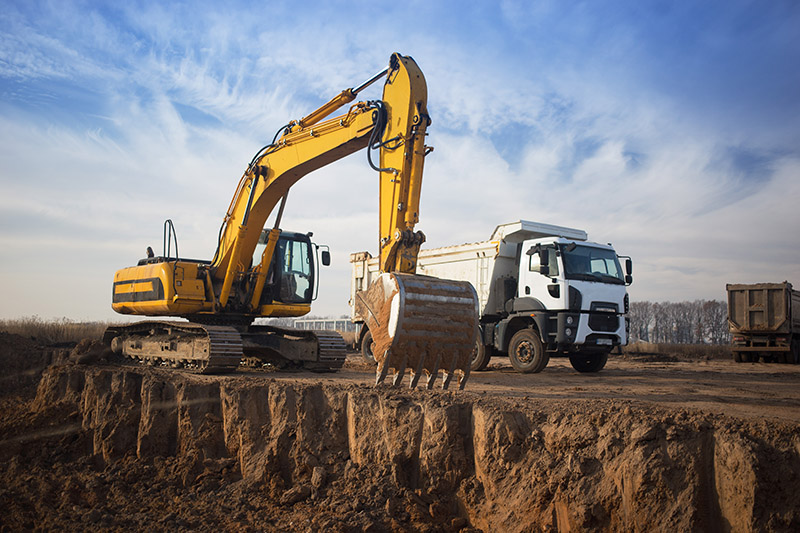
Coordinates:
[548,286]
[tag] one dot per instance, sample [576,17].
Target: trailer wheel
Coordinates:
[480,356]
[588,361]
[526,352]
[366,348]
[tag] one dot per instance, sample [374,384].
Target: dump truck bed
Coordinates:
[763,308]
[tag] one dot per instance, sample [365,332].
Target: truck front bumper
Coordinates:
[591,330]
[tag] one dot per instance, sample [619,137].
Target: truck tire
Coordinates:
[366,348]
[480,356]
[588,361]
[737,357]
[526,352]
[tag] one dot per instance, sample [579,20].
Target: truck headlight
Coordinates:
[568,332]
[570,321]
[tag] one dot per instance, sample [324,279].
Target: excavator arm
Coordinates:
[395,125]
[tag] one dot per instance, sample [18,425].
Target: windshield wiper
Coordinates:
[585,276]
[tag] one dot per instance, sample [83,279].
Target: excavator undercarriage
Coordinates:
[214,349]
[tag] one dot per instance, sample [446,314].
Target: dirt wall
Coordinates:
[429,460]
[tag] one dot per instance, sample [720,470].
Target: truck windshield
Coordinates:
[591,264]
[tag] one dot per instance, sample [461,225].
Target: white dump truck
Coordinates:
[543,290]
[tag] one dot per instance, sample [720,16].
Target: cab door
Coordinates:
[544,284]
[296,271]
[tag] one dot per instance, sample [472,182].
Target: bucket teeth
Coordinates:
[417,372]
[432,373]
[462,381]
[400,370]
[383,368]
[446,381]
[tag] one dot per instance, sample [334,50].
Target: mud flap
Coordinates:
[422,324]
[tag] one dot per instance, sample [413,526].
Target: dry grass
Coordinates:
[58,331]
[65,330]
[688,351]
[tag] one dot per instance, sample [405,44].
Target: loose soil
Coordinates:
[659,442]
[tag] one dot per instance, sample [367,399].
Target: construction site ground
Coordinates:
[653,442]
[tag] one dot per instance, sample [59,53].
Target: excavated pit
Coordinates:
[104,447]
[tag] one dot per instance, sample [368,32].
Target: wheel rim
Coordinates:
[525,352]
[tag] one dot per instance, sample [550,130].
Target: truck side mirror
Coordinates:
[326,258]
[544,263]
[628,279]
[628,266]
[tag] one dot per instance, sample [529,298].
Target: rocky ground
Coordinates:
[650,443]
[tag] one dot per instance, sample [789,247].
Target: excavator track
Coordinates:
[318,351]
[217,349]
[210,349]
[332,352]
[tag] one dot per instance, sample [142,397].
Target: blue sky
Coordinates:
[671,129]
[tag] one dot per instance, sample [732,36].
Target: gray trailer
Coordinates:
[764,321]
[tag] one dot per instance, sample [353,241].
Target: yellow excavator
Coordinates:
[418,323]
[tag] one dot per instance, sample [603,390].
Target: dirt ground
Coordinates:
[747,390]
[652,442]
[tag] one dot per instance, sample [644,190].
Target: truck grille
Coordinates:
[603,317]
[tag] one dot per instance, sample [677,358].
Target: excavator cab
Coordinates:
[292,276]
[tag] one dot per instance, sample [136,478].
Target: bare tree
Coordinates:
[698,322]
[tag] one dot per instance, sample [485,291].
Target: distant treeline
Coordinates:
[698,322]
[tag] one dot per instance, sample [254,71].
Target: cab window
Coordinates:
[552,262]
[295,280]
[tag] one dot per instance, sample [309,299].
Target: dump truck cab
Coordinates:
[574,291]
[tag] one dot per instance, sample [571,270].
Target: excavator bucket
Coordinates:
[422,324]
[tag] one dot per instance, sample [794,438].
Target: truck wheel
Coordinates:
[366,348]
[737,356]
[526,352]
[480,356]
[588,362]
